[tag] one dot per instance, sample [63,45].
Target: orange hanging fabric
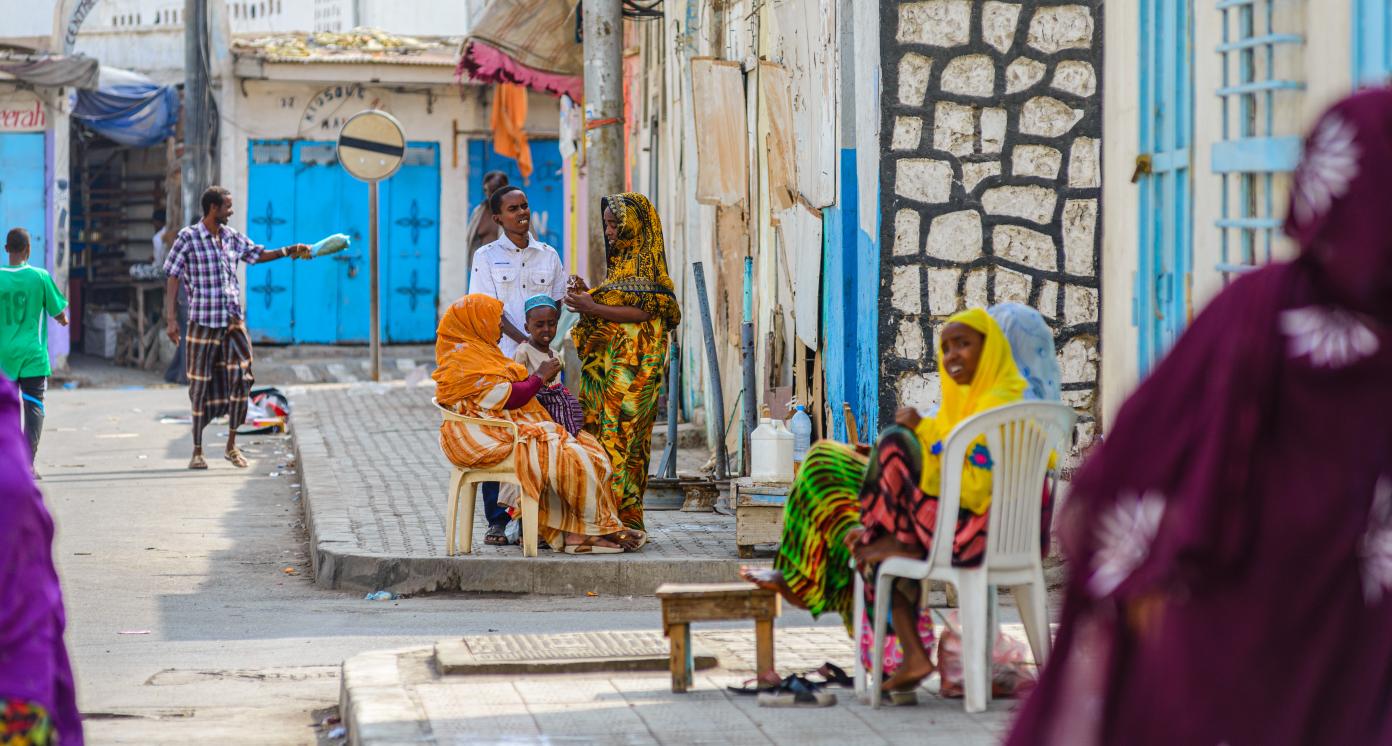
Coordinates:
[509,120]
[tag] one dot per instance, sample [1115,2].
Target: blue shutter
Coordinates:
[1249,153]
[1372,41]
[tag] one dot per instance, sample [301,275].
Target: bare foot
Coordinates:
[629,539]
[581,540]
[909,676]
[771,580]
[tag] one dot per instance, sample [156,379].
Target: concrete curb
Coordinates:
[340,564]
[375,704]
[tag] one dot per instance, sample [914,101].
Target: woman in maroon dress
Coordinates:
[1231,543]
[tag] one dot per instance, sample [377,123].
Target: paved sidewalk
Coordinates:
[393,697]
[375,484]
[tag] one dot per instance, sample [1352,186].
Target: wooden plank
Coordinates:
[776,86]
[763,645]
[701,590]
[679,636]
[686,610]
[719,110]
[758,525]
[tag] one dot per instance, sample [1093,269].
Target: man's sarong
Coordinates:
[219,372]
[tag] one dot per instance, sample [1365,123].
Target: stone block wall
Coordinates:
[990,181]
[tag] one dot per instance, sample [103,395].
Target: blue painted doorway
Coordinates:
[545,192]
[22,189]
[298,192]
[1164,177]
[1372,41]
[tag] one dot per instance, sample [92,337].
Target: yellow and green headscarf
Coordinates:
[637,265]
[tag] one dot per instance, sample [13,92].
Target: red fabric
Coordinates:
[1230,543]
[522,392]
[487,64]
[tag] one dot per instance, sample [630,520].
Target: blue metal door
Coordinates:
[410,245]
[1372,41]
[316,184]
[1164,176]
[22,189]
[270,211]
[545,192]
[299,194]
[349,213]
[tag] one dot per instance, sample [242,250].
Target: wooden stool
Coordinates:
[683,604]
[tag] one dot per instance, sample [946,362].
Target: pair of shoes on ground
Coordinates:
[797,690]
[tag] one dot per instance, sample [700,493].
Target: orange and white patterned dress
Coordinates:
[571,477]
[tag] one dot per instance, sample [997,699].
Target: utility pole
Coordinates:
[198,130]
[604,156]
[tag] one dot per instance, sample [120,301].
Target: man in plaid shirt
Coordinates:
[204,257]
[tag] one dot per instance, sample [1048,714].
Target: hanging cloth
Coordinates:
[509,121]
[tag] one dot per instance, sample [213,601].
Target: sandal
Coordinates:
[767,681]
[236,457]
[796,691]
[197,462]
[589,546]
[835,675]
[496,537]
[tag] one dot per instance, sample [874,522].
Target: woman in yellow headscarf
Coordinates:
[569,476]
[622,342]
[846,505]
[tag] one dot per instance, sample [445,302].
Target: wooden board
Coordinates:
[719,608]
[722,168]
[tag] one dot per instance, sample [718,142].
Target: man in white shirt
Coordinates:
[516,266]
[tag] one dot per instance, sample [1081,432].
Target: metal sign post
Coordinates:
[371,146]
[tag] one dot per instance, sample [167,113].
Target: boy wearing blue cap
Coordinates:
[542,313]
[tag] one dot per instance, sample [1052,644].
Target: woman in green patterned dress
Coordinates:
[622,342]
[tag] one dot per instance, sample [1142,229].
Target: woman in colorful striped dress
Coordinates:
[871,506]
[622,342]
[569,476]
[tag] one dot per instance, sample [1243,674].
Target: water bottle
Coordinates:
[802,434]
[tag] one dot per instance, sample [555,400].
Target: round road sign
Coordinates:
[371,145]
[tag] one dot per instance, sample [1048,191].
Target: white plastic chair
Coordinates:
[1021,437]
[461,479]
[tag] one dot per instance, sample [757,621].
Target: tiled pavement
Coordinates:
[375,483]
[398,696]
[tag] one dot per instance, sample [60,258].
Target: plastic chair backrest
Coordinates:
[1020,436]
[451,415]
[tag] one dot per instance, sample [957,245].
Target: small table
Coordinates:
[683,604]
[758,513]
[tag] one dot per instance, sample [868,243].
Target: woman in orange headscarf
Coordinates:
[569,476]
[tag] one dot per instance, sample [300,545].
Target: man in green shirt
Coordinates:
[27,298]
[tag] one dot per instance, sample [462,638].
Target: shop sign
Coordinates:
[22,112]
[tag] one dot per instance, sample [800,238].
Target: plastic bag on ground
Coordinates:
[1012,675]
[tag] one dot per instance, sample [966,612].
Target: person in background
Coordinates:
[512,269]
[28,298]
[542,314]
[622,340]
[482,229]
[160,242]
[204,257]
[38,704]
[1230,543]
[568,476]
[847,504]
[162,237]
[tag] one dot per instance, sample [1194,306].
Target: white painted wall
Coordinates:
[263,113]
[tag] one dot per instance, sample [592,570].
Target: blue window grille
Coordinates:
[1372,41]
[1251,153]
